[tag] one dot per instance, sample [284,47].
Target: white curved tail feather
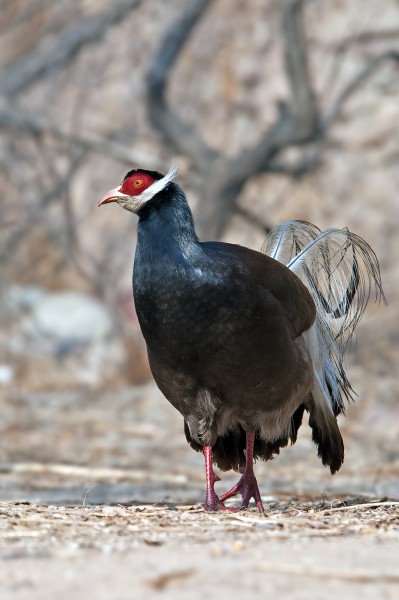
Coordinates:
[340,270]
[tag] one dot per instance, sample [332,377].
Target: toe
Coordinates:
[216,506]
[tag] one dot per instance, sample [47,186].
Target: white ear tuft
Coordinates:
[173,170]
[159,185]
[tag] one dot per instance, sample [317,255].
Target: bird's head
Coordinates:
[138,187]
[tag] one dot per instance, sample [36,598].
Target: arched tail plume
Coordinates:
[340,271]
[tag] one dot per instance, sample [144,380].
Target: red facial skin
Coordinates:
[136,184]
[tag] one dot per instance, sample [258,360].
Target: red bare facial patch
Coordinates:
[136,184]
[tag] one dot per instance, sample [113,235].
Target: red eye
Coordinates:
[136,184]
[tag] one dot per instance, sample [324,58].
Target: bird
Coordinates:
[242,342]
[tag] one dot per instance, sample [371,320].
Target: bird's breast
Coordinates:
[176,304]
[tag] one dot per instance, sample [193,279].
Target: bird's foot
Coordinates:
[247,486]
[212,501]
[216,505]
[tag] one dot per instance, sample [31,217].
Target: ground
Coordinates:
[101,498]
[299,550]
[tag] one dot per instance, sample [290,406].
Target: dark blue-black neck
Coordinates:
[166,221]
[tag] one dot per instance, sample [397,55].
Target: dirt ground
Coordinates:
[100,498]
[300,550]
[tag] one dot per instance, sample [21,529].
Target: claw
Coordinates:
[248,487]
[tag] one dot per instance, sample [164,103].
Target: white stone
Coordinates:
[69,316]
[6,374]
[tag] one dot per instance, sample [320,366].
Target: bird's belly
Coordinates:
[217,396]
[271,424]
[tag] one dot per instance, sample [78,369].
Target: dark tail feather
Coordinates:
[228,452]
[327,436]
[266,450]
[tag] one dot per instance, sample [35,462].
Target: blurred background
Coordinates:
[273,110]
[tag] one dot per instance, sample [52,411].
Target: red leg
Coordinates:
[212,501]
[247,485]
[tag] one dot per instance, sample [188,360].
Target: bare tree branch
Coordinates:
[90,30]
[361,77]
[35,212]
[90,141]
[303,101]
[176,133]
[297,123]
[225,178]
[251,219]
[364,37]
[308,163]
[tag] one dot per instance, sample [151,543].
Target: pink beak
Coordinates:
[112,196]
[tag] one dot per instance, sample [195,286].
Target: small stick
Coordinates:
[355,506]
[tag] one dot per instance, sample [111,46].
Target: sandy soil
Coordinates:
[299,550]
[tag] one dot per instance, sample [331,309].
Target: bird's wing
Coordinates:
[259,272]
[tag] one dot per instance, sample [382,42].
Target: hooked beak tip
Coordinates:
[105,201]
[111,196]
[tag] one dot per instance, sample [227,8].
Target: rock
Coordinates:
[60,338]
[6,374]
[69,319]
